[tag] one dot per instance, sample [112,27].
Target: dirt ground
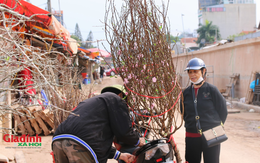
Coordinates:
[242,146]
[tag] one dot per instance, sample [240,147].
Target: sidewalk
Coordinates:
[244,106]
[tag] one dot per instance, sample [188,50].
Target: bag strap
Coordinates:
[197,117]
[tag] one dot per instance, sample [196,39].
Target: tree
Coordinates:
[89,38]
[207,33]
[185,35]
[77,39]
[232,37]
[173,39]
[77,32]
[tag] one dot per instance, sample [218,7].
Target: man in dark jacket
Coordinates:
[87,135]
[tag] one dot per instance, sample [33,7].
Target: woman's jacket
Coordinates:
[211,107]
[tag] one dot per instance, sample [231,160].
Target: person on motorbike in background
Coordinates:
[120,144]
[87,135]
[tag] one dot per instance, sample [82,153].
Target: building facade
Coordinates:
[205,3]
[59,16]
[231,16]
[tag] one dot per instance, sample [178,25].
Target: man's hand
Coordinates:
[141,142]
[127,157]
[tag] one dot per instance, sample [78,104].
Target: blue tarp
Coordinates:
[252,85]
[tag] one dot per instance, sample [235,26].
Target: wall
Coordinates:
[241,57]
[236,18]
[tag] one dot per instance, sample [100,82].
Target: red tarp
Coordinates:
[28,9]
[26,75]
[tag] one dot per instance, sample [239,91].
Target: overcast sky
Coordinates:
[89,14]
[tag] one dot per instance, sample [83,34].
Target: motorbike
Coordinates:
[155,151]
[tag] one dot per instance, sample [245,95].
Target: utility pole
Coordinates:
[216,34]
[60,13]
[183,30]
[49,5]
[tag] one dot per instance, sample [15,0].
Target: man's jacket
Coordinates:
[100,119]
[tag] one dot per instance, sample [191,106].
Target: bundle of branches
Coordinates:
[34,75]
[138,40]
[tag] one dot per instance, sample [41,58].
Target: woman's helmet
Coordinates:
[195,64]
[115,89]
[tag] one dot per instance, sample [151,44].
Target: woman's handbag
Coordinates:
[212,136]
[215,136]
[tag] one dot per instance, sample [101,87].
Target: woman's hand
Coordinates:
[127,157]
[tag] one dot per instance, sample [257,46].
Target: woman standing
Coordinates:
[212,110]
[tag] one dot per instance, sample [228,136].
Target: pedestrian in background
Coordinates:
[95,76]
[212,111]
[102,70]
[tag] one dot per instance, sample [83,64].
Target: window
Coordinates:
[216,9]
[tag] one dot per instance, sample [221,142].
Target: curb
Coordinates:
[244,106]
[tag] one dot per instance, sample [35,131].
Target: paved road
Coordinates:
[243,144]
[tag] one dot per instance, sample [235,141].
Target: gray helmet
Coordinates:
[195,64]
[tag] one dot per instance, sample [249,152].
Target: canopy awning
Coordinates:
[101,53]
[73,45]
[28,9]
[84,50]
[94,52]
[88,53]
[41,22]
[58,30]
